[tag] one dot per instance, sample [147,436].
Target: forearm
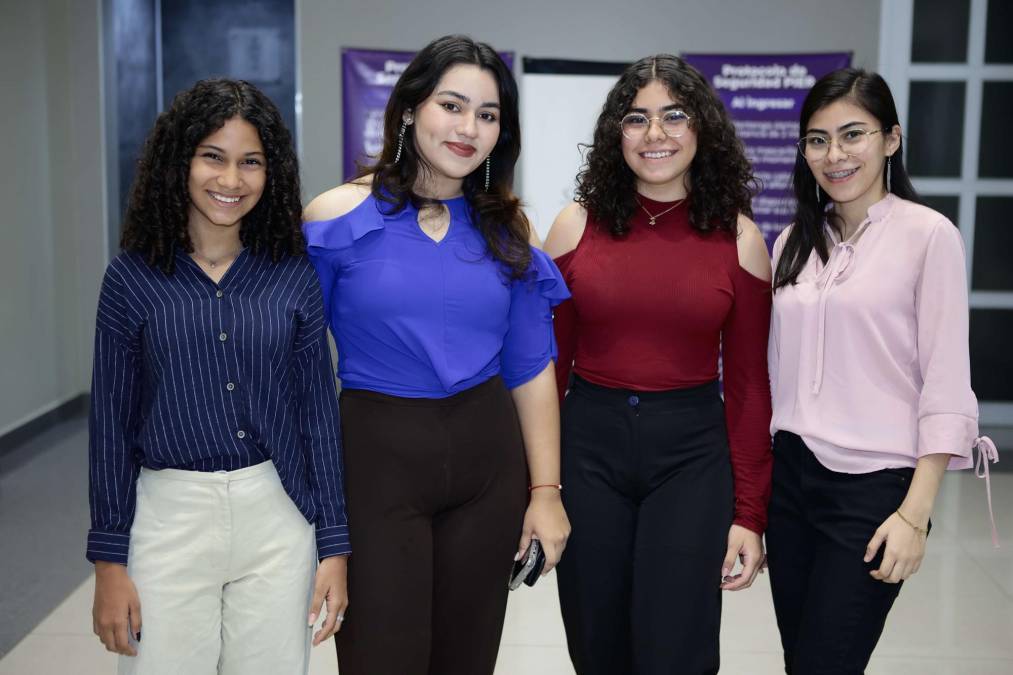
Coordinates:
[538,411]
[921,496]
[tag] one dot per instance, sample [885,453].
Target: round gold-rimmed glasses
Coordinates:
[673,122]
[815,147]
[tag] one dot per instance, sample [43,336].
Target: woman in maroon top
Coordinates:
[665,485]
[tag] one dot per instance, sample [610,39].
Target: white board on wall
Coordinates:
[560,103]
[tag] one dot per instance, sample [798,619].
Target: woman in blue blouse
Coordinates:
[442,315]
[215,449]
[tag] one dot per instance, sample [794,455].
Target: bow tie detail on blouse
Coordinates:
[840,260]
[838,265]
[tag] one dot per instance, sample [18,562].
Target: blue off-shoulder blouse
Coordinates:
[423,319]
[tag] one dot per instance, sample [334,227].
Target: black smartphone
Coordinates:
[529,567]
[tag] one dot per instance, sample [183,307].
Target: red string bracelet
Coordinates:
[558,486]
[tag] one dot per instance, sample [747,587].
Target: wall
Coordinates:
[53,182]
[52,189]
[605,31]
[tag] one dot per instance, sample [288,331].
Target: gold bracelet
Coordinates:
[920,530]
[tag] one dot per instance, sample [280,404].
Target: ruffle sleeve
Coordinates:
[328,241]
[530,345]
[341,232]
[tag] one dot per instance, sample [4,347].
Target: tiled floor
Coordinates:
[954,618]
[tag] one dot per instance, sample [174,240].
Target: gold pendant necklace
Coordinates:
[654,216]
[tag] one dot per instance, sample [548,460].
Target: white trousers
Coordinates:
[224,565]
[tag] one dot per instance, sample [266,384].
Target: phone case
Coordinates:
[529,567]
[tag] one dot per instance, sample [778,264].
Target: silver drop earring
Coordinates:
[817,193]
[400,141]
[488,169]
[888,174]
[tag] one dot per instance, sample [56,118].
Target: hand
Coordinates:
[546,521]
[745,545]
[117,608]
[331,583]
[903,553]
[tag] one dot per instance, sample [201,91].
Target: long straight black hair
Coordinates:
[497,211]
[870,92]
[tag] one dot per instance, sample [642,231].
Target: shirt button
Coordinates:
[240,434]
[223,337]
[218,294]
[230,386]
[634,401]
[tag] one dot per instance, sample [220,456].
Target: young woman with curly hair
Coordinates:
[441,311]
[666,485]
[214,443]
[870,376]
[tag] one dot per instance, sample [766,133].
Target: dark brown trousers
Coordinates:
[436,493]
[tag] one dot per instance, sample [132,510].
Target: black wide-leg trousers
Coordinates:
[647,485]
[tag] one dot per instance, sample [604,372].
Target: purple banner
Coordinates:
[367,78]
[764,94]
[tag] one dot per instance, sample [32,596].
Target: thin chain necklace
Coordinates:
[654,216]
[214,263]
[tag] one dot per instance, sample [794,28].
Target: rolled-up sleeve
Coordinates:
[947,407]
[529,344]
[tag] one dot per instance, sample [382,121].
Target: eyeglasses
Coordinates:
[815,147]
[635,125]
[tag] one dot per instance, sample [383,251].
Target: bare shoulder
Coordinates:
[534,239]
[752,249]
[337,201]
[566,230]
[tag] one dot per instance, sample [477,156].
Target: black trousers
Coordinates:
[436,492]
[647,485]
[830,612]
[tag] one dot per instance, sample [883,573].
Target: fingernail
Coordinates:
[312,619]
[725,571]
[517,556]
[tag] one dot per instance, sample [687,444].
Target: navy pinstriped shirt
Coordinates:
[200,376]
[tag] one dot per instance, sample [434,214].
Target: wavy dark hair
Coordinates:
[497,212]
[721,178]
[156,219]
[870,92]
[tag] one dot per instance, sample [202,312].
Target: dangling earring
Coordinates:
[817,193]
[400,141]
[488,168]
[888,173]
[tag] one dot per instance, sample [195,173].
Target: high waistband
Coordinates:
[700,392]
[491,385]
[221,477]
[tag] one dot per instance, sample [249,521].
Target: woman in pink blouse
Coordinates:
[870,378]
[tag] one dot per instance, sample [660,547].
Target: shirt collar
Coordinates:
[882,208]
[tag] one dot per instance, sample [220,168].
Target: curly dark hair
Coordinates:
[497,211]
[156,219]
[721,178]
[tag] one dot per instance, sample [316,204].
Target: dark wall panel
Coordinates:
[136,83]
[251,40]
[991,355]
